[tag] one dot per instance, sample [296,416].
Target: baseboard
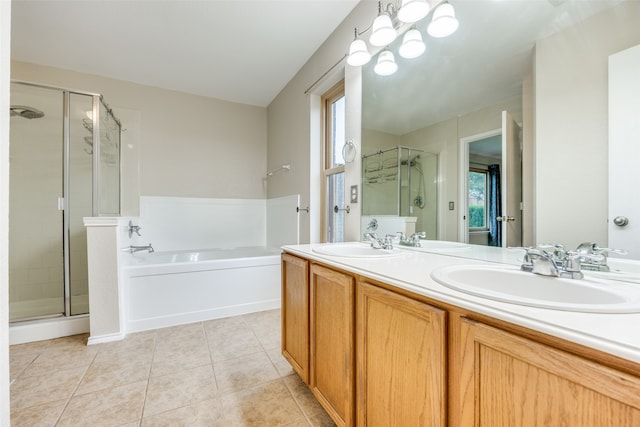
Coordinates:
[105,338]
[199,316]
[38,330]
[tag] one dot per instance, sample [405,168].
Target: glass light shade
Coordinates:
[383,32]
[444,22]
[413,10]
[386,64]
[412,44]
[358,53]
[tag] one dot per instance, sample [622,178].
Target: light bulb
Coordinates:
[383,32]
[358,53]
[444,22]
[386,64]
[413,10]
[412,44]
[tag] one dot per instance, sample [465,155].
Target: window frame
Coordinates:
[328,98]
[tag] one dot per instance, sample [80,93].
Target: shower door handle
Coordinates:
[505,218]
[336,209]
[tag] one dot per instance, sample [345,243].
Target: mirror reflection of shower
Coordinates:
[54,183]
[401,181]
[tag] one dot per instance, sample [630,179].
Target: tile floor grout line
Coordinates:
[304,414]
[213,368]
[72,394]
[146,389]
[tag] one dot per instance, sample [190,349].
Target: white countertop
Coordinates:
[617,334]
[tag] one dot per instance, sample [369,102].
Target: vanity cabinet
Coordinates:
[377,355]
[332,373]
[401,360]
[509,380]
[295,314]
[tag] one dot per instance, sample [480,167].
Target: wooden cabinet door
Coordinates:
[295,314]
[507,380]
[401,360]
[332,342]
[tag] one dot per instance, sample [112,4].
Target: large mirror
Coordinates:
[545,63]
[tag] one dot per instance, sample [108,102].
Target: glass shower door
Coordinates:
[36,248]
[79,198]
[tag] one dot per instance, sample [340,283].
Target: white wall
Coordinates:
[189,223]
[572,125]
[190,146]
[5,48]
[293,136]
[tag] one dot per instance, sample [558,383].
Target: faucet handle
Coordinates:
[605,251]
[388,242]
[555,249]
[370,237]
[133,229]
[586,247]
[418,235]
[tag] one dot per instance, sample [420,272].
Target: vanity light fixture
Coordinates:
[413,10]
[412,44]
[386,64]
[444,22]
[384,32]
[358,52]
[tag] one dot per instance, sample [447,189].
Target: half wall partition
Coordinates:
[64,165]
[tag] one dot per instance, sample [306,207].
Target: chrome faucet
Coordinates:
[557,263]
[413,240]
[133,248]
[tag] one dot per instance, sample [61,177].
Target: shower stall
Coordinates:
[402,181]
[64,166]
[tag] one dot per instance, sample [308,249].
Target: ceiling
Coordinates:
[240,50]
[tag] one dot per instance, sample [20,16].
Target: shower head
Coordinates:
[26,112]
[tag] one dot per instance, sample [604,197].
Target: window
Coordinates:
[478,191]
[333,171]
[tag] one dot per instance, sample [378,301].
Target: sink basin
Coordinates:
[509,284]
[354,250]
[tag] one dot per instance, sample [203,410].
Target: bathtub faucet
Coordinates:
[133,248]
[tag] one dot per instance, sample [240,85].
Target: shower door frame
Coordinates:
[96,99]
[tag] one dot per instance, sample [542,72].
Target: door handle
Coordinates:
[621,221]
[336,209]
[505,218]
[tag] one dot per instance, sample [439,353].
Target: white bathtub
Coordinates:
[169,288]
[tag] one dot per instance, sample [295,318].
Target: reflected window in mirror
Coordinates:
[478,190]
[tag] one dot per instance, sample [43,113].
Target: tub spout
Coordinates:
[133,248]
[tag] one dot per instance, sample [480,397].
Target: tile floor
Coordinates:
[225,372]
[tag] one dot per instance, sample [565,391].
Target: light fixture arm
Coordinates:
[391,9]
